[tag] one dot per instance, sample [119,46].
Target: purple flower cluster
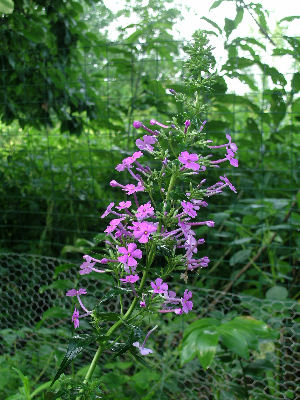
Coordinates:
[137,227]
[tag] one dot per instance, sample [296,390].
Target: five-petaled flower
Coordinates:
[74,292]
[130,279]
[189,161]
[146,143]
[189,208]
[145,211]
[159,286]
[142,230]
[129,255]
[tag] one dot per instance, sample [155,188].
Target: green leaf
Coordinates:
[53,312]
[61,284]
[216,4]
[6,6]
[62,268]
[40,389]
[241,241]
[75,347]
[229,26]
[240,257]
[296,82]
[200,324]
[200,343]
[277,293]
[25,381]
[234,340]
[289,19]
[213,24]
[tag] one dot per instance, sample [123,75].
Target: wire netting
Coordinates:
[28,294]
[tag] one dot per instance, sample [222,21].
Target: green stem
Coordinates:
[112,329]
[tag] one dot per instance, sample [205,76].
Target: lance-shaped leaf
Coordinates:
[75,347]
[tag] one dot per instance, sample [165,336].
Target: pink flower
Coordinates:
[146,143]
[143,350]
[159,286]
[74,292]
[154,122]
[187,124]
[130,279]
[189,160]
[186,304]
[137,124]
[230,157]
[128,161]
[130,188]
[228,183]
[142,304]
[142,230]
[75,318]
[113,225]
[124,205]
[145,211]
[189,208]
[108,210]
[129,255]
[88,265]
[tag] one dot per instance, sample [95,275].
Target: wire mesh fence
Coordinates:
[37,319]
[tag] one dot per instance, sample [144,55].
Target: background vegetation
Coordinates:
[68,98]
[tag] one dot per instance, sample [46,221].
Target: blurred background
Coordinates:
[74,76]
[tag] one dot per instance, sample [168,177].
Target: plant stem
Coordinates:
[111,330]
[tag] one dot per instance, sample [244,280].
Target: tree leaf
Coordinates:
[213,24]
[216,4]
[289,19]
[6,6]
[277,293]
[296,82]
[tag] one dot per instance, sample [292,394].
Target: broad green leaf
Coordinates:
[213,24]
[277,293]
[53,312]
[76,345]
[229,26]
[260,328]
[6,6]
[200,324]
[296,82]
[61,284]
[200,343]
[62,268]
[234,340]
[240,257]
